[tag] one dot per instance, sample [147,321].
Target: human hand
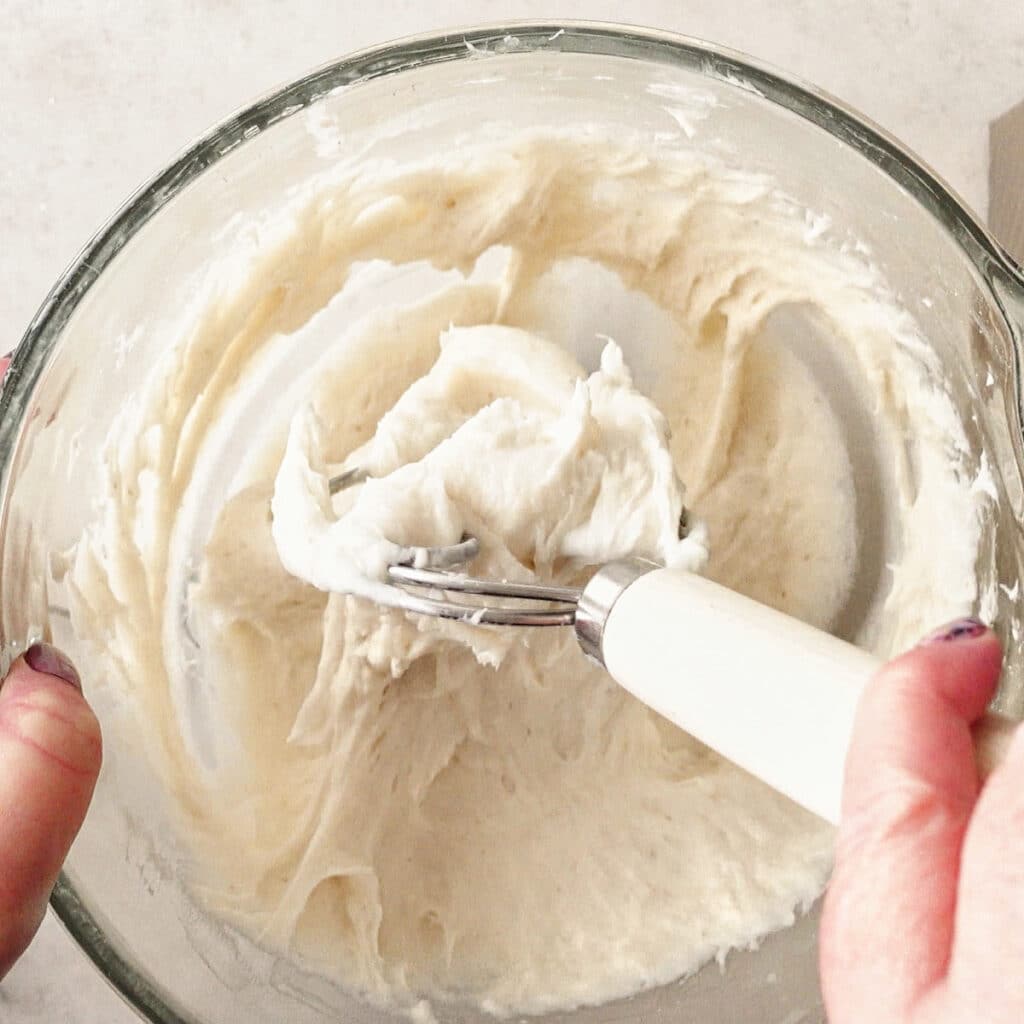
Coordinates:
[924,917]
[49,758]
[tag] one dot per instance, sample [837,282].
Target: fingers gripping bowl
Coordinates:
[607,122]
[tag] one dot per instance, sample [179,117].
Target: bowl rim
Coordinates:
[508,38]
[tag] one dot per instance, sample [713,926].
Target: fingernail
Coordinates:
[962,629]
[47,659]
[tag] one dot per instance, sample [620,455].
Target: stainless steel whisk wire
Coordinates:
[427,577]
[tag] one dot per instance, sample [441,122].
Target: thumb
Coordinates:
[910,787]
[49,760]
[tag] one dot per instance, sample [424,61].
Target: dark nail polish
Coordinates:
[47,659]
[962,629]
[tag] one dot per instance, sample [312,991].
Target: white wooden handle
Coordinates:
[769,692]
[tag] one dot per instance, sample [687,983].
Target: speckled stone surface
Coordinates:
[95,97]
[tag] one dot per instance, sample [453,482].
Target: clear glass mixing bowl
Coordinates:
[88,350]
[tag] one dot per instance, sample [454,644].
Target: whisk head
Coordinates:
[428,581]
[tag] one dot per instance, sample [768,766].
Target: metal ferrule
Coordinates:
[598,599]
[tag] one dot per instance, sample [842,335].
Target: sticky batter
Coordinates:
[439,810]
[504,440]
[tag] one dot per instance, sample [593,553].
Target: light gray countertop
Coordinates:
[96,96]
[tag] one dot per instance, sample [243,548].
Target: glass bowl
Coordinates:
[87,349]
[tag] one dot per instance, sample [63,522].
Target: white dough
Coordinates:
[441,810]
[502,436]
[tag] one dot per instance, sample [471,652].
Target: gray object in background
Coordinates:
[1006,181]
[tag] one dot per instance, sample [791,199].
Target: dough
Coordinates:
[502,439]
[442,810]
